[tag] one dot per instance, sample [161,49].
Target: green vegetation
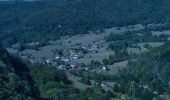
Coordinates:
[15,81]
[24,81]
[118,57]
[127,38]
[43,21]
[32,25]
[147,76]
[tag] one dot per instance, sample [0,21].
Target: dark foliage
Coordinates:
[44,21]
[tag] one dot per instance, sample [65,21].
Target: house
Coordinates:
[86,68]
[92,47]
[57,57]
[61,67]
[103,85]
[83,47]
[103,68]
[66,60]
[47,61]
[50,60]
[72,66]
[74,56]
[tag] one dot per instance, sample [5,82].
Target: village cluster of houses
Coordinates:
[64,62]
[90,47]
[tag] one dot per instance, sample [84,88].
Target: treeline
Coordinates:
[80,17]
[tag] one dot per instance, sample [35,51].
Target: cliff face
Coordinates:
[15,81]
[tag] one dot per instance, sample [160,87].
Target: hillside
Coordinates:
[14,14]
[15,80]
[80,17]
[85,50]
[147,76]
[33,82]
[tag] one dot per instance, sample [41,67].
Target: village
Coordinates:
[65,60]
[76,52]
[82,56]
[68,60]
[85,50]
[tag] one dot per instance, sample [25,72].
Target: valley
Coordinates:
[85,50]
[90,53]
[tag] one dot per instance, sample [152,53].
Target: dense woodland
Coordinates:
[38,19]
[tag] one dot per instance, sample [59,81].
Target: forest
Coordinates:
[43,21]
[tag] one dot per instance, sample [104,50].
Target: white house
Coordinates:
[104,68]
[57,57]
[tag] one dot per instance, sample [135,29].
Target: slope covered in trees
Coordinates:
[14,14]
[15,82]
[80,17]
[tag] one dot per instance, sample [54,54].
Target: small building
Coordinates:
[66,60]
[47,61]
[86,68]
[57,57]
[103,68]
[61,67]
[72,65]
